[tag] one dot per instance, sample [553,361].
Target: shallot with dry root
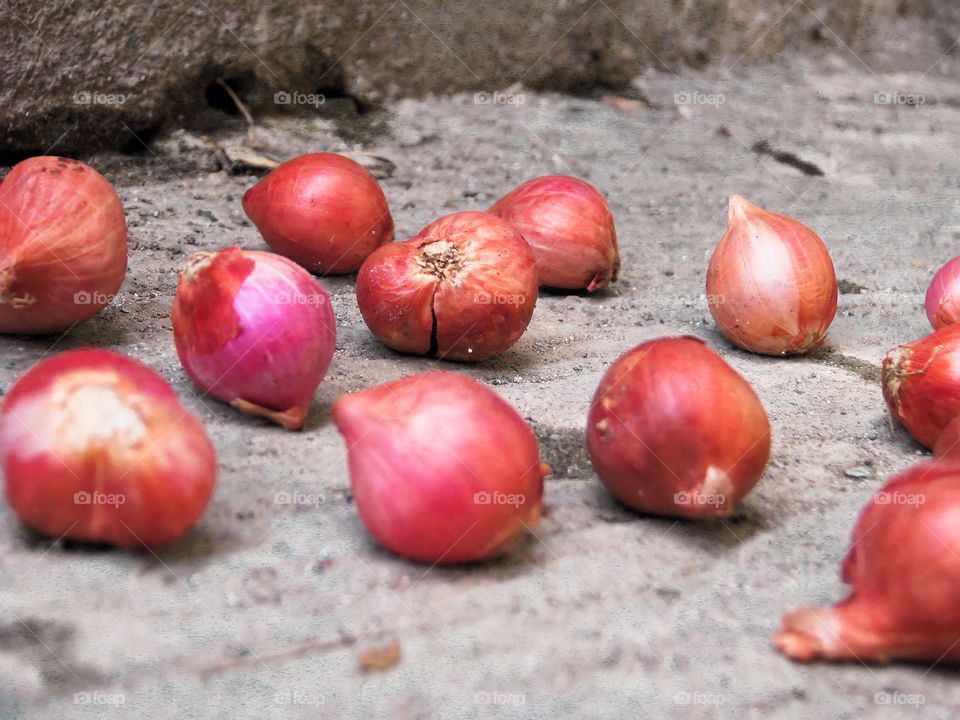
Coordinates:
[903,570]
[921,383]
[463,289]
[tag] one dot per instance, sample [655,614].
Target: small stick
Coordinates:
[237,101]
[290,651]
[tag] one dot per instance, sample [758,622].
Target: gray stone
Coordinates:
[82,74]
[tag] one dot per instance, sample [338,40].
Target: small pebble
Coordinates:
[860,472]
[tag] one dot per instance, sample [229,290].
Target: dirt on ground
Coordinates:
[279,609]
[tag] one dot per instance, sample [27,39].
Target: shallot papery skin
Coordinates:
[463,289]
[942,303]
[569,225]
[443,470]
[903,570]
[771,285]
[254,330]
[63,245]
[948,444]
[674,430]
[324,211]
[921,383]
[97,447]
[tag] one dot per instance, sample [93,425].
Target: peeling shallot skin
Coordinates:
[63,245]
[463,289]
[569,226]
[443,470]
[942,301]
[255,330]
[324,211]
[96,447]
[921,383]
[903,569]
[673,430]
[771,285]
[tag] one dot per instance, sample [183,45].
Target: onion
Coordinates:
[674,430]
[443,470]
[570,228]
[254,330]
[942,303]
[771,285]
[63,245]
[463,289]
[323,211]
[97,447]
[921,383]
[904,575]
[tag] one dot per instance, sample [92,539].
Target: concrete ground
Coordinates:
[266,609]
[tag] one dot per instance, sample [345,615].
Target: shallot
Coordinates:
[443,470]
[904,576]
[463,289]
[97,447]
[254,330]
[771,286]
[569,226]
[63,245]
[921,383]
[942,303]
[674,430]
[323,211]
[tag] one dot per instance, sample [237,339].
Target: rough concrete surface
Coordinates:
[265,608]
[85,73]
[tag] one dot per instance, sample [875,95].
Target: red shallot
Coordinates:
[568,224]
[323,211]
[771,286]
[942,302]
[674,430]
[903,570]
[97,447]
[254,330]
[921,383]
[63,245]
[463,289]
[443,470]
